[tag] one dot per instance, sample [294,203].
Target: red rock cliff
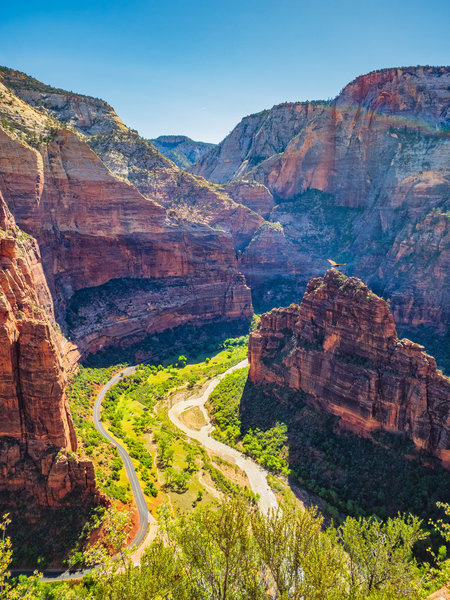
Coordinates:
[37,438]
[365,176]
[340,347]
[93,228]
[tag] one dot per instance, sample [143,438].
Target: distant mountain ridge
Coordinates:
[182,150]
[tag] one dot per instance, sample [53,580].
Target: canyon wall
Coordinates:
[96,230]
[364,178]
[340,348]
[37,438]
[183,151]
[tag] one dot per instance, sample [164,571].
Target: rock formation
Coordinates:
[364,178]
[180,149]
[94,229]
[255,139]
[37,438]
[340,348]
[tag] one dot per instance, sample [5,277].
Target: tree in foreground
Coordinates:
[380,559]
[26,588]
[233,552]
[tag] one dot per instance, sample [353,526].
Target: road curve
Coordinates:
[256,474]
[144,515]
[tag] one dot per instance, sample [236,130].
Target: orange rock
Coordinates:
[340,347]
[37,438]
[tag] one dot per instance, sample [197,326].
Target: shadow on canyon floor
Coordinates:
[353,475]
[42,537]
[193,341]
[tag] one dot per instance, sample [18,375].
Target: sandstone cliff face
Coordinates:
[255,139]
[137,161]
[252,194]
[93,228]
[183,151]
[37,438]
[366,178]
[340,347]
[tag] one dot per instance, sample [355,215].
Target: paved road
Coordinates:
[144,515]
[256,474]
[145,518]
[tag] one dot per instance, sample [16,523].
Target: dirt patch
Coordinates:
[231,472]
[193,418]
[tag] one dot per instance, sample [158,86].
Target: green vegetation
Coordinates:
[135,412]
[196,342]
[353,475]
[108,466]
[268,447]
[232,552]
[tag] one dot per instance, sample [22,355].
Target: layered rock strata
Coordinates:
[94,228]
[365,177]
[37,438]
[340,348]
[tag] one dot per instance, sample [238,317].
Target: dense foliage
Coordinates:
[234,552]
[267,446]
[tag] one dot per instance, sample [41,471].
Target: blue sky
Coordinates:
[196,67]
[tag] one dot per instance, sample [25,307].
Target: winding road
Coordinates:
[144,516]
[257,476]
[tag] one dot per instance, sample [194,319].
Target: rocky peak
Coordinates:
[255,139]
[90,115]
[403,90]
[181,149]
[340,347]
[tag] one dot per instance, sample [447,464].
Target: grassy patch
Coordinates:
[168,466]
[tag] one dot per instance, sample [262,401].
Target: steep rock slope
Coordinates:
[256,138]
[37,438]
[94,229]
[340,347]
[365,178]
[136,159]
[183,151]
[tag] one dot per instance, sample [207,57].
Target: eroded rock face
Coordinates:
[340,347]
[365,177]
[255,139]
[37,438]
[252,194]
[94,228]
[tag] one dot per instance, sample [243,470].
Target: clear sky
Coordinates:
[196,67]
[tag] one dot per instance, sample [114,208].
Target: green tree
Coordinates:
[304,562]
[218,552]
[25,588]
[381,564]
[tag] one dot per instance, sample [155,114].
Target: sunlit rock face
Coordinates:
[365,177]
[94,228]
[340,347]
[37,438]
